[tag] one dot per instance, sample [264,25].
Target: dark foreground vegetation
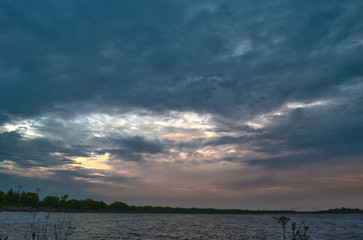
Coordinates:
[29,201]
[297,231]
[46,229]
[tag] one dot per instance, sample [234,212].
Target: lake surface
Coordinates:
[178,226]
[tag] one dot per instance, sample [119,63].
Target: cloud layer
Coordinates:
[216,104]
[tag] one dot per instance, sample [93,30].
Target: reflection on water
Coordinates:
[183,226]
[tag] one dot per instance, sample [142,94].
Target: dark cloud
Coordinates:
[130,149]
[210,57]
[236,60]
[91,174]
[122,154]
[302,137]
[36,152]
[140,145]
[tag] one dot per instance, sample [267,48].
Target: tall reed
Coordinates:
[62,229]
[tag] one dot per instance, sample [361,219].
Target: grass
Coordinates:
[62,229]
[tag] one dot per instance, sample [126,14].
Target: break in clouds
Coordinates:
[231,104]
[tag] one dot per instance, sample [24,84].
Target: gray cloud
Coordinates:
[130,149]
[236,60]
[89,174]
[34,152]
[190,59]
[139,145]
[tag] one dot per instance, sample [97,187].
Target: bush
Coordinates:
[90,204]
[118,206]
[2,198]
[73,204]
[11,198]
[298,231]
[29,199]
[51,202]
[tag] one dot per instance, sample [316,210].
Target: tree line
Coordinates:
[18,199]
[23,200]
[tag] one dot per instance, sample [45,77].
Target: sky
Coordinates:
[225,104]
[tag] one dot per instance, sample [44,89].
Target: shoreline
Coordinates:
[167,210]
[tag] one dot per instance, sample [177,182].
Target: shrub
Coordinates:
[51,202]
[2,198]
[29,199]
[298,231]
[11,197]
[73,204]
[90,204]
[118,206]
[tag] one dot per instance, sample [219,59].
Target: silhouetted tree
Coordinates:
[12,198]
[51,202]
[73,204]
[299,231]
[19,188]
[2,199]
[118,206]
[283,221]
[29,199]
[63,200]
[65,197]
[90,204]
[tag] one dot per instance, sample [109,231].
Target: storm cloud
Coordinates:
[180,102]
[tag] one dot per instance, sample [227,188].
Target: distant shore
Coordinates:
[22,201]
[170,210]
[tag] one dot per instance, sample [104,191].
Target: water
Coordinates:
[180,226]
